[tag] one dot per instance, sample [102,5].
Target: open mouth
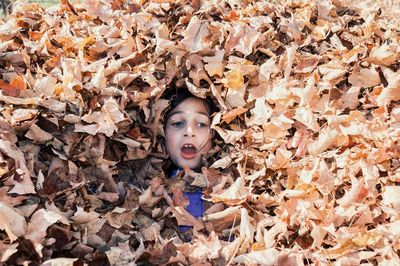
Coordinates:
[188,151]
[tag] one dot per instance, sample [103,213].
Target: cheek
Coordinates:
[171,142]
[205,139]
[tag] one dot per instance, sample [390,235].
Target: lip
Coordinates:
[188,155]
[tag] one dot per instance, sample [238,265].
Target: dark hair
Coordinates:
[177,95]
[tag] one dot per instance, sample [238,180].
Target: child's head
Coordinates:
[187,129]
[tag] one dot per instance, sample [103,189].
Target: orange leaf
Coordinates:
[18,83]
[232,114]
[86,42]
[258,246]
[14,87]
[66,6]
[234,80]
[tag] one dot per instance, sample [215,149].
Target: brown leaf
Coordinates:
[265,257]
[214,64]
[392,91]
[185,218]
[242,38]
[37,227]
[152,232]
[38,135]
[236,194]
[307,153]
[21,179]
[178,198]
[124,254]
[7,250]
[62,236]
[246,228]
[14,88]
[10,200]
[390,196]
[382,55]
[11,222]
[66,5]
[195,35]
[333,70]
[60,261]
[355,194]
[164,255]
[57,180]
[364,77]
[206,247]
[82,217]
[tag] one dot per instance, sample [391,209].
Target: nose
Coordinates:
[189,132]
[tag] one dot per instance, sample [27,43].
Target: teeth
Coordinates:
[188,146]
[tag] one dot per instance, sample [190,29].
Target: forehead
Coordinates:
[191,104]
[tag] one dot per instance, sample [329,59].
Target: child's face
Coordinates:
[188,134]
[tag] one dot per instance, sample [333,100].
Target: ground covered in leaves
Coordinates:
[305,167]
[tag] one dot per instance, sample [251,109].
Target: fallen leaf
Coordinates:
[390,196]
[185,218]
[382,55]
[37,227]
[265,257]
[11,222]
[236,194]
[195,35]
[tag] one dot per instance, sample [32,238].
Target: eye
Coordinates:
[178,124]
[202,125]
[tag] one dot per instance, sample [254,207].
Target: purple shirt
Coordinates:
[196,203]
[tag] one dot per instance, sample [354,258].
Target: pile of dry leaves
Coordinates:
[306,165]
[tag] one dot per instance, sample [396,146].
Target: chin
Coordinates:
[191,165]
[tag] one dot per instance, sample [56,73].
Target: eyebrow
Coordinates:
[182,112]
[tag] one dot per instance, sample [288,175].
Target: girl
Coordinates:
[188,139]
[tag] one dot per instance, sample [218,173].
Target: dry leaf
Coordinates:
[265,257]
[305,167]
[195,35]
[236,194]
[37,227]
[185,218]
[59,261]
[11,222]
